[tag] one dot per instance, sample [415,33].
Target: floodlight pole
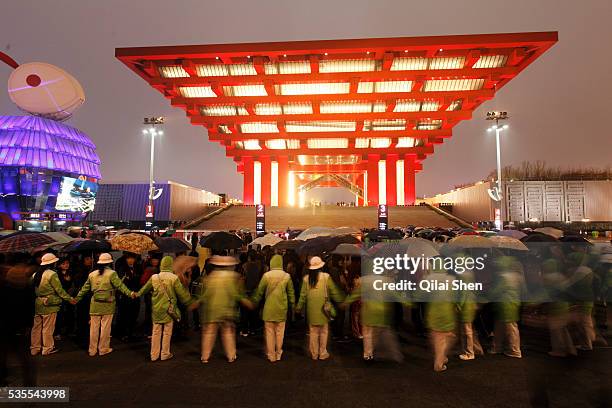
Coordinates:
[497,116]
[152,165]
[152,132]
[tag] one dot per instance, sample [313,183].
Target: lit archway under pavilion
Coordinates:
[362,114]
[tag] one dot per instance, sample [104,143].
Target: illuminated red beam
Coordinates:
[324,152]
[417,134]
[372,76]
[223,120]
[361,97]
[360,46]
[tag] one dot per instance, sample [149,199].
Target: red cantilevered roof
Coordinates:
[335,97]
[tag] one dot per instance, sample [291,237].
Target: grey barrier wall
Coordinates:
[534,200]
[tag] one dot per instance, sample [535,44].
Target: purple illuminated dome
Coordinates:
[32,141]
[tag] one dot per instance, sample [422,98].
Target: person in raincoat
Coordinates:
[49,297]
[377,316]
[581,276]
[440,316]
[507,306]
[277,288]
[317,289]
[557,307]
[467,306]
[221,293]
[103,282]
[167,292]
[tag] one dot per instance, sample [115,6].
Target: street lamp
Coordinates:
[152,131]
[497,194]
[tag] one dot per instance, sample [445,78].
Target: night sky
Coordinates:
[559,105]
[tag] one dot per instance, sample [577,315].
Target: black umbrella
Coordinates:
[538,237]
[88,245]
[221,240]
[321,245]
[288,244]
[575,239]
[378,235]
[172,245]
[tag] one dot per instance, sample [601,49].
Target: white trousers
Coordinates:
[99,334]
[41,337]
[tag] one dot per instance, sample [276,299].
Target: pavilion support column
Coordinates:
[248,187]
[283,181]
[391,168]
[373,179]
[266,180]
[361,185]
[409,184]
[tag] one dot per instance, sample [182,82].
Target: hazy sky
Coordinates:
[559,105]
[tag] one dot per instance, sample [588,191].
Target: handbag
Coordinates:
[328,308]
[172,309]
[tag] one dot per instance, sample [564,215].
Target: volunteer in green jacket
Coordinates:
[440,317]
[103,282]
[49,297]
[278,289]
[377,316]
[317,288]
[467,306]
[219,299]
[167,291]
[507,306]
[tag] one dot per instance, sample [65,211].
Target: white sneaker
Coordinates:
[466,357]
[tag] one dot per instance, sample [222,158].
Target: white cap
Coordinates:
[105,258]
[48,259]
[316,263]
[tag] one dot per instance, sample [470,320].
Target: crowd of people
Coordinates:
[243,292]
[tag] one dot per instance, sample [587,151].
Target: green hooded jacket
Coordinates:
[506,294]
[278,289]
[220,296]
[103,288]
[167,289]
[441,308]
[50,294]
[314,298]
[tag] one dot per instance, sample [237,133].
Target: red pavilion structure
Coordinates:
[361,114]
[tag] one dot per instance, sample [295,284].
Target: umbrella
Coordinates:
[509,243]
[314,232]
[538,237]
[320,245]
[172,245]
[87,245]
[268,239]
[23,241]
[413,247]
[553,232]
[516,234]
[471,241]
[575,239]
[288,244]
[59,237]
[348,250]
[346,231]
[377,235]
[221,240]
[133,242]
[316,246]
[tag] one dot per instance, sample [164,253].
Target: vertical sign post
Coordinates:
[149,216]
[260,219]
[383,217]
